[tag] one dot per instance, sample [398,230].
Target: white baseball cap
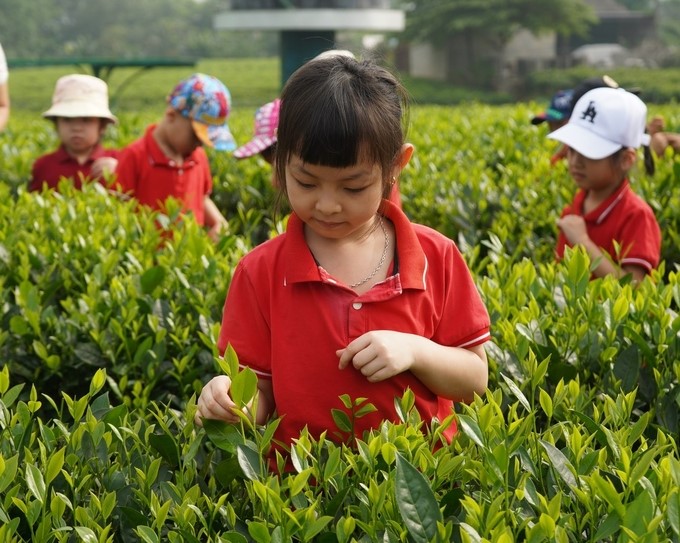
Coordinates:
[603,121]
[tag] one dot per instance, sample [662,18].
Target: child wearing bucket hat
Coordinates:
[615,226]
[169,160]
[80,113]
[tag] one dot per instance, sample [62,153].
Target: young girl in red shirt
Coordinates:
[353,299]
[615,226]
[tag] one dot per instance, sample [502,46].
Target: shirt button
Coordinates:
[357,305]
[171,163]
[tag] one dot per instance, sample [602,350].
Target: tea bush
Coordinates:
[657,86]
[108,333]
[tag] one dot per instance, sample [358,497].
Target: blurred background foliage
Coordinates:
[66,28]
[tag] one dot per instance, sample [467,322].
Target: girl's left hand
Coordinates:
[217,230]
[379,354]
[574,229]
[103,166]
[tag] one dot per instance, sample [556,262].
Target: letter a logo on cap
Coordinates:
[589,113]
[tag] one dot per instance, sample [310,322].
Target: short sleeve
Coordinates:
[641,240]
[465,322]
[244,325]
[126,171]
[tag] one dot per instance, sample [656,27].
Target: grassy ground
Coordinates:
[251,82]
[255,81]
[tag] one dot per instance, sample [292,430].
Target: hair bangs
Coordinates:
[337,138]
[338,112]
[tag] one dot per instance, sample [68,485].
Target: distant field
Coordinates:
[255,81]
[251,82]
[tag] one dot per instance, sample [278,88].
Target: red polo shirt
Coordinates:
[146,173]
[285,316]
[623,218]
[50,168]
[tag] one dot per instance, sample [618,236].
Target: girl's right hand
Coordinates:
[215,402]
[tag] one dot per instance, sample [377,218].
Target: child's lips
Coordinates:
[329,225]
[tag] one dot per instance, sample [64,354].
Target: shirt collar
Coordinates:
[157,156]
[63,156]
[601,212]
[301,266]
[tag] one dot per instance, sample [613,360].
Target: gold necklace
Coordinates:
[382,258]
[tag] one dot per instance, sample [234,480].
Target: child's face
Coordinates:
[591,174]
[79,134]
[181,136]
[335,202]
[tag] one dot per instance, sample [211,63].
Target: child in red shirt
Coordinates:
[617,228]
[80,112]
[353,298]
[169,160]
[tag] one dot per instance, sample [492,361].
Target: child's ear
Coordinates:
[628,159]
[170,113]
[403,157]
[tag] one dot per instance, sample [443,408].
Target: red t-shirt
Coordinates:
[148,175]
[285,316]
[623,218]
[50,168]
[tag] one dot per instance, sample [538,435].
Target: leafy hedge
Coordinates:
[656,86]
[108,330]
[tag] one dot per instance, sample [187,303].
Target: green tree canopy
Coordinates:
[436,20]
[123,28]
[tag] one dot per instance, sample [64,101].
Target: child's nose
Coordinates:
[327,203]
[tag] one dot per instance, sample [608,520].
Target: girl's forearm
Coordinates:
[452,372]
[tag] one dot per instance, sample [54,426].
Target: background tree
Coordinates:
[639,5]
[435,20]
[669,22]
[484,27]
[124,28]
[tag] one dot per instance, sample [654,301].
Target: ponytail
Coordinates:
[650,167]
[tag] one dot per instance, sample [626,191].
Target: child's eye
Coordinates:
[355,190]
[304,185]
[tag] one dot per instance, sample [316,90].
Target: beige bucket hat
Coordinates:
[80,95]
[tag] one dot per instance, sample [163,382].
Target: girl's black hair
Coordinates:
[338,111]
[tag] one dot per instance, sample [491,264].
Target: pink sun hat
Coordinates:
[266,124]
